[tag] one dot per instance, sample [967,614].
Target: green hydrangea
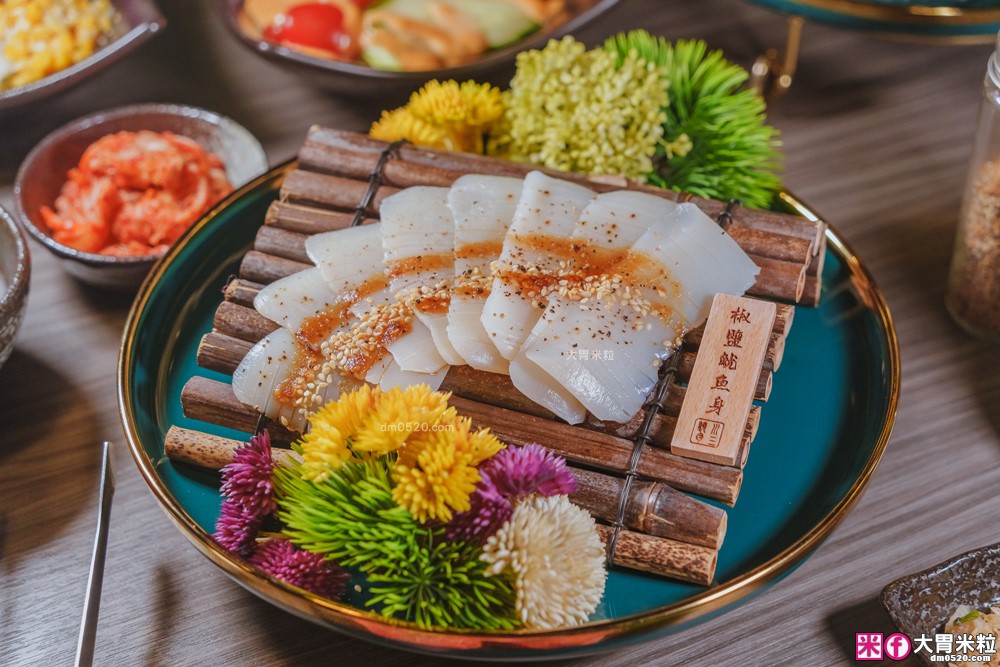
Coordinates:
[577,110]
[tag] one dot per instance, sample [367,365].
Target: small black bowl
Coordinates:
[357,79]
[15,271]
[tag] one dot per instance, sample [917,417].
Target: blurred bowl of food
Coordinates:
[108,193]
[15,270]
[49,46]
[365,48]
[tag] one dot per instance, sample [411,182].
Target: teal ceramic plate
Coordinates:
[822,433]
[946,21]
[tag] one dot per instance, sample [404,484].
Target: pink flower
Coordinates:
[246,482]
[304,569]
[489,511]
[523,471]
[236,529]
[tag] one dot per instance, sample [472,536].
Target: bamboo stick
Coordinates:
[210,451]
[308,219]
[214,402]
[282,243]
[323,190]
[659,555]
[652,508]
[812,290]
[241,322]
[770,244]
[241,292]
[221,353]
[261,268]
[605,452]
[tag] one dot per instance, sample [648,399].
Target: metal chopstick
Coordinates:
[92,603]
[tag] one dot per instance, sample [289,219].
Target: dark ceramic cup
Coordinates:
[15,270]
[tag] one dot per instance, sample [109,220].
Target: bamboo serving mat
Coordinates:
[341,179]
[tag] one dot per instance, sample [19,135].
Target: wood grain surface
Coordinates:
[878,136]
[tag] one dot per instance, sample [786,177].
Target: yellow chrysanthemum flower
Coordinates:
[439,103]
[436,449]
[367,420]
[445,115]
[402,124]
[325,447]
[433,477]
[482,445]
[436,470]
[397,416]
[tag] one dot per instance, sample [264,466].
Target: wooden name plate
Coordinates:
[721,389]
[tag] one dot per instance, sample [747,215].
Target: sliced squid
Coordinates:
[418,237]
[544,218]
[609,224]
[483,208]
[607,354]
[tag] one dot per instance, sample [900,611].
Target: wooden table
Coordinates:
[878,137]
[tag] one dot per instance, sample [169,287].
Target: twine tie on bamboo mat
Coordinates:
[725,218]
[653,407]
[375,180]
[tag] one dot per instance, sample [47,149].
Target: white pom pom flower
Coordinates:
[557,559]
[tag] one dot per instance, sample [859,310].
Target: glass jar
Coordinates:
[973,297]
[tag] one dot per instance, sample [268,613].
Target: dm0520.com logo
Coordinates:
[943,648]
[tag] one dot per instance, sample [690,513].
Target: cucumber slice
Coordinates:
[501,22]
[380,57]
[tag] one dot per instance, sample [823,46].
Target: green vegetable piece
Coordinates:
[972,615]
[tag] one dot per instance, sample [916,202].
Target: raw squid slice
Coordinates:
[393,376]
[352,263]
[296,298]
[693,250]
[609,224]
[534,382]
[545,216]
[414,351]
[608,366]
[483,208]
[270,363]
[418,237]
[613,221]
[348,259]
[606,353]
